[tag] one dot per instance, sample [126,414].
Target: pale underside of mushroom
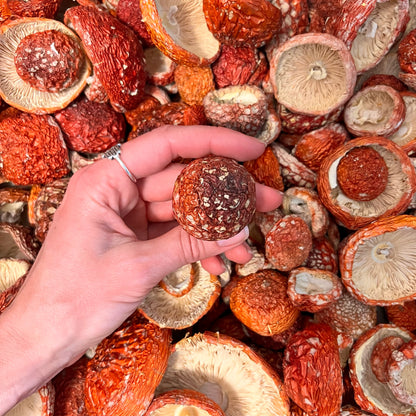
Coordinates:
[407,131]
[33,405]
[180,410]
[9,247]
[396,186]
[384,265]
[312,284]
[18,92]
[371,111]
[375,35]
[185,23]
[170,311]
[379,393]
[314,74]
[10,271]
[226,374]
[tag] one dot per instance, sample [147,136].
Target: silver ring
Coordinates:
[114,153]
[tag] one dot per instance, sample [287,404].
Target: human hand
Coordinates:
[112,241]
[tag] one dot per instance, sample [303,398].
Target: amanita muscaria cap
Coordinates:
[21,94]
[377,262]
[228,372]
[370,394]
[381,185]
[182,297]
[312,73]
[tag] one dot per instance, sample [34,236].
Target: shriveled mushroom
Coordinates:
[375,110]
[182,297]
[376,262]
[179,29]
[18,242]
[183,402]
[115,53]
[370,394]
[365,179]
[44,66]
[312,74]
[219,366]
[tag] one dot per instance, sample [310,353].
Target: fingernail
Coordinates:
[236,239]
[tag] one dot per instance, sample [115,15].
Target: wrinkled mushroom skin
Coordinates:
[115,52]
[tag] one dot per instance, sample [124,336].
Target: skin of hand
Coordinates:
[110,243]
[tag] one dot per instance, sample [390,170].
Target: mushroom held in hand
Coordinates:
[44,66]
[312,73]
[214,198]
[228,372]
[377,261]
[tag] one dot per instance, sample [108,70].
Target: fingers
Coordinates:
[153,151]
[267,199]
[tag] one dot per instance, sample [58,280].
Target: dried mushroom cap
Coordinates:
[261,303]
[394,199]
[378,33]
[183,402]
[17,242]
[312,290]
[405,136]
[178,307]
[220,367]
[39,403]
[238,107]
[375,110]
[370,394]
[11,270]
[179,29]
[17,92]
[126,368]
[377,261]
[159,67]
[312,74]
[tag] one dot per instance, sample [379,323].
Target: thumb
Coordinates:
[180,248]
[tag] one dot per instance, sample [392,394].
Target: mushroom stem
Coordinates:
[383,252]
[317,71]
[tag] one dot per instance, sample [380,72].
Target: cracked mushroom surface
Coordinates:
[182,297]
[228,372]
[33,92]
[179,29]
[377,261]
[370,394]
[360,187]
[312,74]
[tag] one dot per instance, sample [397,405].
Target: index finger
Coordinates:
[155,150]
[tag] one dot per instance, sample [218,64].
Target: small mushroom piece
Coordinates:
[376,261]
[378,33]
[41,82]
[11,270]
[312,290]
[32,148]
[239,107]
[126,368]
[91,127]
[377,110]
[182,298]
[405,136]
[39,403]
[18,242]
[242,22]
[312,74]
[348,315]
[13,202]
[401,373]
[219,367]
[115,53]
[261,303]
[370,394]
[306,204]
[183,402]
[180,31]
[365,179]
